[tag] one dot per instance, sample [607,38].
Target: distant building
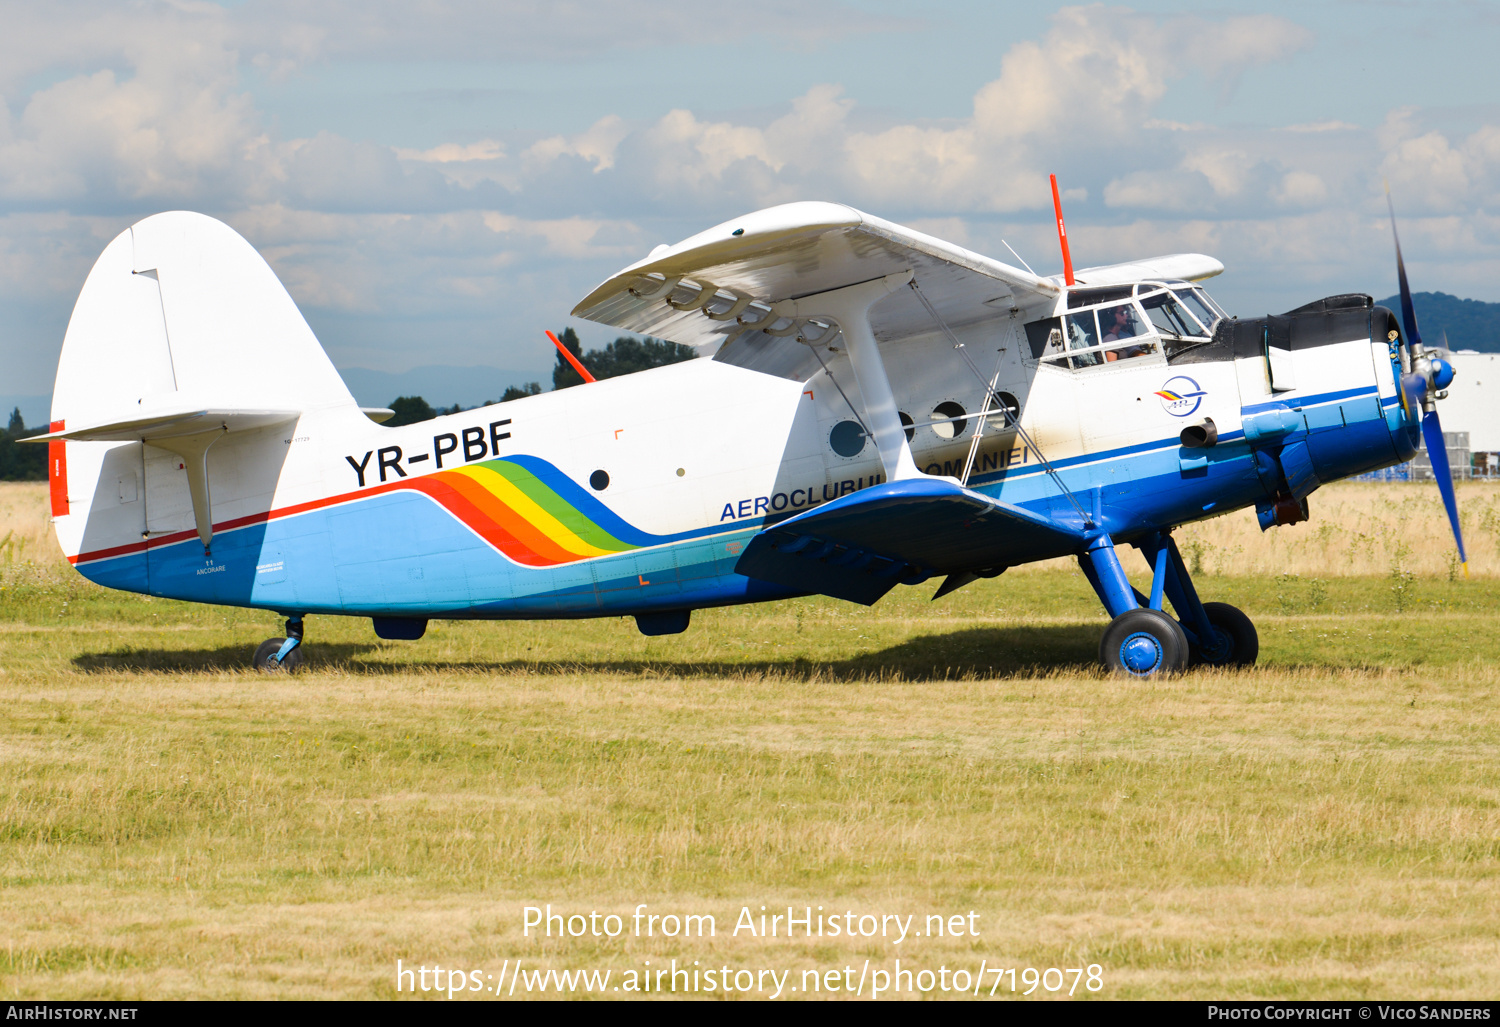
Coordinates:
[1473,410]
[1471,415]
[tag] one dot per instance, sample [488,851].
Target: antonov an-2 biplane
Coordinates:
[880,408]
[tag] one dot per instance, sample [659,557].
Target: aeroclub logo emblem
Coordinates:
[1181,396]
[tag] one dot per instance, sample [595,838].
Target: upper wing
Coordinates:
[1188,267]
[860,546]
[727,278]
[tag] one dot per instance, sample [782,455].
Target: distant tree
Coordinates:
[21,462]
[410,410]
[625,355]
[1468,324]
[520,391]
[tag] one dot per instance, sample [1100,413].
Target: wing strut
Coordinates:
[1014,420]
[850,307]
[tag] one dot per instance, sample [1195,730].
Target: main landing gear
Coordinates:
[282,655]
[1142,640]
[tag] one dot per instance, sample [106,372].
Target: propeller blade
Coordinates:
[1437,455]
[1408,312]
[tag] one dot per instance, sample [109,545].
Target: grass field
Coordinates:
[1326,825]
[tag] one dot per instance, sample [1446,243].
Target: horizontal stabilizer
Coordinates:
[861,546]
[171,425]
[187,432]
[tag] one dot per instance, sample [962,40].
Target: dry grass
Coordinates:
[28,549]
[1327,825]
[1357,529]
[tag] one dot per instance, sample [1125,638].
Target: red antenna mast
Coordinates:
[583,371]
[1062,233]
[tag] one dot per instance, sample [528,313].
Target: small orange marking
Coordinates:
[642,580]
[808,393]
[618,431]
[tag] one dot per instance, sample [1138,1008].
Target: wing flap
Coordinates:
[861,546]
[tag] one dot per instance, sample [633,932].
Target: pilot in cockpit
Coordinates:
[1119,323]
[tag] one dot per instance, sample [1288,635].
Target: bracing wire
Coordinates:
[864,427]
[1013,420]
[1013,253]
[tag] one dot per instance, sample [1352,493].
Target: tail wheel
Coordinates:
[1144,643]
[265,658]
[1235,642]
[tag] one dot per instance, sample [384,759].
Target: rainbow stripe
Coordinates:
[530,511]
[1168,395]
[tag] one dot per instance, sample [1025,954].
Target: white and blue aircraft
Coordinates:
[877,408]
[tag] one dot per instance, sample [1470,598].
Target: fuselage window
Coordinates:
[847,439]
[949,420]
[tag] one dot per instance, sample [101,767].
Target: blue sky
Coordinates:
[437,183]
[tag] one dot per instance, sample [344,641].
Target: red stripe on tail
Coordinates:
[57,471]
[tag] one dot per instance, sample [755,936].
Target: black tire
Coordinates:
[1238,643]
[1144,643]
[269,648]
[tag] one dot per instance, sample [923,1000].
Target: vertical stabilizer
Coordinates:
[181,328]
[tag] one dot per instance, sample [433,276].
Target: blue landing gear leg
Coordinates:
[1141,641]
[282,655]
[1218,634]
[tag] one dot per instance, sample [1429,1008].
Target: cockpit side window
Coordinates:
[1083,334]
[1088,297]
[1093,338]
[1120,324]
[1039,336]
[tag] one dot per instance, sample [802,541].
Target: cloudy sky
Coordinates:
[437,181]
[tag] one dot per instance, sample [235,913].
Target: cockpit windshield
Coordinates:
[1170,318]
[1162,318]
[1205,309]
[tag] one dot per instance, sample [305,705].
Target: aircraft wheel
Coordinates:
[1144,643]
[269,648]
[1236,643]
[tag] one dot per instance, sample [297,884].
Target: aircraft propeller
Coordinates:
[1423,385]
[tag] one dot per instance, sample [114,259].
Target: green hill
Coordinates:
[1469,324]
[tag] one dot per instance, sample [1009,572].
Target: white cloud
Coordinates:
[597,145]
[118,110]
[449,153]
[167,122]
[1301,189]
